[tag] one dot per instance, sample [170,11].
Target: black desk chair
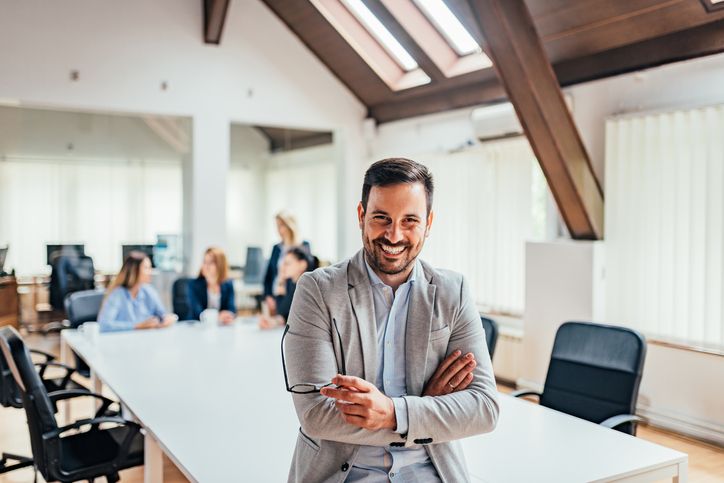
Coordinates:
[594,374]
[491,334]
[180,297]
[82,307]
[64,457]
[10,397]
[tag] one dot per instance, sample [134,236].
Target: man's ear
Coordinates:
[430,218]
[360,215]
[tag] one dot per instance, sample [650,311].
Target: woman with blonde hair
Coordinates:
[289,233]
[212,289]
[131,302]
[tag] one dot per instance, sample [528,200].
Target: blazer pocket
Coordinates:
[440,333]
[308,441]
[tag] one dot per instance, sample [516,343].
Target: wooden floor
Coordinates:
[706,462]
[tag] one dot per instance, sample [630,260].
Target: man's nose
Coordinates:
[394,233]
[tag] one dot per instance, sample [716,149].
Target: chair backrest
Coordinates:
[83,306]
[491,334]
[37,404]
[70,274]
[595,371]
[180,297]
[255,266]
[9,390]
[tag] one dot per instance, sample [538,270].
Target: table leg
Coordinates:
[153,460]
[65,356]
[96,386]
[683,473]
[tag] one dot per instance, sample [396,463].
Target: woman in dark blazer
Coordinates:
[287,228]
[212,290]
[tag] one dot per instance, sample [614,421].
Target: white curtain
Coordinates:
[664,224]
[102,204]
[489,200]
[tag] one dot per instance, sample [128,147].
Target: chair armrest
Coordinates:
[56,396]
[43,366]
[524,392]
[620,419]
[48,357]
[92,421]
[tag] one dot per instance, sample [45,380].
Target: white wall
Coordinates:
[260,74]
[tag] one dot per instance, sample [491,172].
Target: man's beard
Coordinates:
[376,256]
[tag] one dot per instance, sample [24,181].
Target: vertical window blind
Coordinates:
[665,224]
[103,204]
[489,200]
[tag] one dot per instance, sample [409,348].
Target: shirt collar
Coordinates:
[375,279]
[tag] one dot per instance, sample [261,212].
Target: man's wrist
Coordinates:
[392,417]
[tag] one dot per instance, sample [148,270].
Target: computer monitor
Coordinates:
[254,268]
[147,249]
[3,256]
[77,249]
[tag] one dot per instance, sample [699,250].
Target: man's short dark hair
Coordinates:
[391,171]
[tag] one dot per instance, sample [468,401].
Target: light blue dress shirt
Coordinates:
[120,311]
[376,463]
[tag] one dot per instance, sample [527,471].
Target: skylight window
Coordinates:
[449,25]
[383,36]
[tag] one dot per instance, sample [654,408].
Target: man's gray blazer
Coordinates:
[442,318]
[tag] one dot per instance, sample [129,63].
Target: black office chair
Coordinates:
[82,307]
[180,297]
[594,374]
[491,334]
[10,397]
[70,274]
[64,457]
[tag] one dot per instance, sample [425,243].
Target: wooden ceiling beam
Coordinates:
[688,44]
[214,18]
[532,87]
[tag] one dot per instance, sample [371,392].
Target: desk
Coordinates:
[9,307]
[213,400]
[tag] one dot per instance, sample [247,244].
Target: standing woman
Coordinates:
[131,301]
[287,228]
[212,289]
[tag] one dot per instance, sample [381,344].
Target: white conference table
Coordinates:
[213,399]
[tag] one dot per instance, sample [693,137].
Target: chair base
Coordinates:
[21,462]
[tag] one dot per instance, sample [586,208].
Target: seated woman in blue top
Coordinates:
[288,232]
[131,302]
[212,290]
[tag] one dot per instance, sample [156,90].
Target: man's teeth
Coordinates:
[392,250]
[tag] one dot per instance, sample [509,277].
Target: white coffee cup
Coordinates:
[91,330]
[210,317]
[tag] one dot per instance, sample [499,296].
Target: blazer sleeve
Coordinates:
[471,411]
[311,357]
[228,301]
[271,270]
[194,299]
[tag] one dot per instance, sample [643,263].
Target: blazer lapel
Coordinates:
[417,335]
[360,294]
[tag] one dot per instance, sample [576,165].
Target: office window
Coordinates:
[489,200]
[103,204]
[449,25]
[665,224]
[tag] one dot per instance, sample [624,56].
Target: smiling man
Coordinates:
[386,355]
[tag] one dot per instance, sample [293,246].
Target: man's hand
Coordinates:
[361,403]
[453,374]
